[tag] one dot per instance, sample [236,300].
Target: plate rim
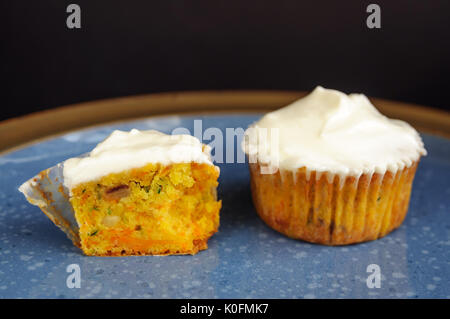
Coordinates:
[18,132]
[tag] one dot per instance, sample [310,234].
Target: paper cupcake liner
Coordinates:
[322,209]
[46,190]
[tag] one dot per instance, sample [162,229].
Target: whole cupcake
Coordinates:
[330,169]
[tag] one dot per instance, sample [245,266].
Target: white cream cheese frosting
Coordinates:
[331,132]
[126,150]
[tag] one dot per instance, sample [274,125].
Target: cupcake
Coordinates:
[330,169]
[136,193]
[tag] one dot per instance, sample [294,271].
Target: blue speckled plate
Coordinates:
[246,259]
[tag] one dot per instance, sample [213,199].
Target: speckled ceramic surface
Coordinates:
[246,259]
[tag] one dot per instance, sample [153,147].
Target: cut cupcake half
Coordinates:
[135,193]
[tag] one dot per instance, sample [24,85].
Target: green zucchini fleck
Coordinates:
[94,233]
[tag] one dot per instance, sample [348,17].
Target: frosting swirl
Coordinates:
[126,150]
[329,131]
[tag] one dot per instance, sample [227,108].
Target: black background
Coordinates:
[136,47]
